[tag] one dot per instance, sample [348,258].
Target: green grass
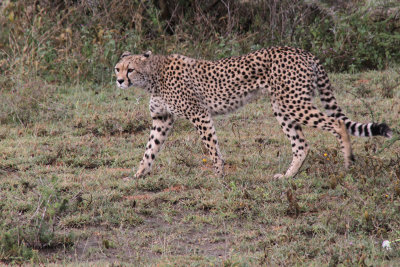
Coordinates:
[65,151]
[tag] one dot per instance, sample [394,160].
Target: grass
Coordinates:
[65,151]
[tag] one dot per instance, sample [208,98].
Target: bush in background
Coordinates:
[66,41]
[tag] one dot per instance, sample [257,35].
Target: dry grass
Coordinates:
[68,138]
[64,199]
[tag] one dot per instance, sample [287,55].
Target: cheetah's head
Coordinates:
[131,70]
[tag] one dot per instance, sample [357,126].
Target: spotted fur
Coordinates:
[198,89]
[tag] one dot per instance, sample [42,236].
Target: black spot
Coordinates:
[366,133]
[353,128]
[360,129]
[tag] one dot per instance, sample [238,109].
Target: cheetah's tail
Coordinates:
[333,110]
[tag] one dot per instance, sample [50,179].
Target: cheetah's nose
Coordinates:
[120,81]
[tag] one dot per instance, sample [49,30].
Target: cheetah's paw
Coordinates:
[279,176]
[139,174]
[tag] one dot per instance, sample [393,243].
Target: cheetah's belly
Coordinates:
[219,104]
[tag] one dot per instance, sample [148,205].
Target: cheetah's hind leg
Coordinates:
[205,127]
[299,146]
[317,119]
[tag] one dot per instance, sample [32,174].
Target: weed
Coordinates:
[19,241]
[68,140]
[73,42]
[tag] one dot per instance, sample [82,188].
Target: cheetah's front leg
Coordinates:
[162,125]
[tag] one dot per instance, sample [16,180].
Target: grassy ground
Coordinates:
[64,152]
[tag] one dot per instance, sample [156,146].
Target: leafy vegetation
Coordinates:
[69,138]
[76,41]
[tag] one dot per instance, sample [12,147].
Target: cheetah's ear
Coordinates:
[146,55]
[125,54]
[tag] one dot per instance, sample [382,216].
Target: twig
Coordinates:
[390,142]
[229,16]
[38,207]
[169,23]
[212,6]
[56,28]
[393,87]
[234,126]
[41,220]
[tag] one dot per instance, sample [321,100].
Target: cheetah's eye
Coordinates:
[130,70]
[117,69]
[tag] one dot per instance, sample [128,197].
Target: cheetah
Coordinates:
[195,89]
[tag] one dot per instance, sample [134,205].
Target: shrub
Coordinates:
[75,41]
[35,226]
